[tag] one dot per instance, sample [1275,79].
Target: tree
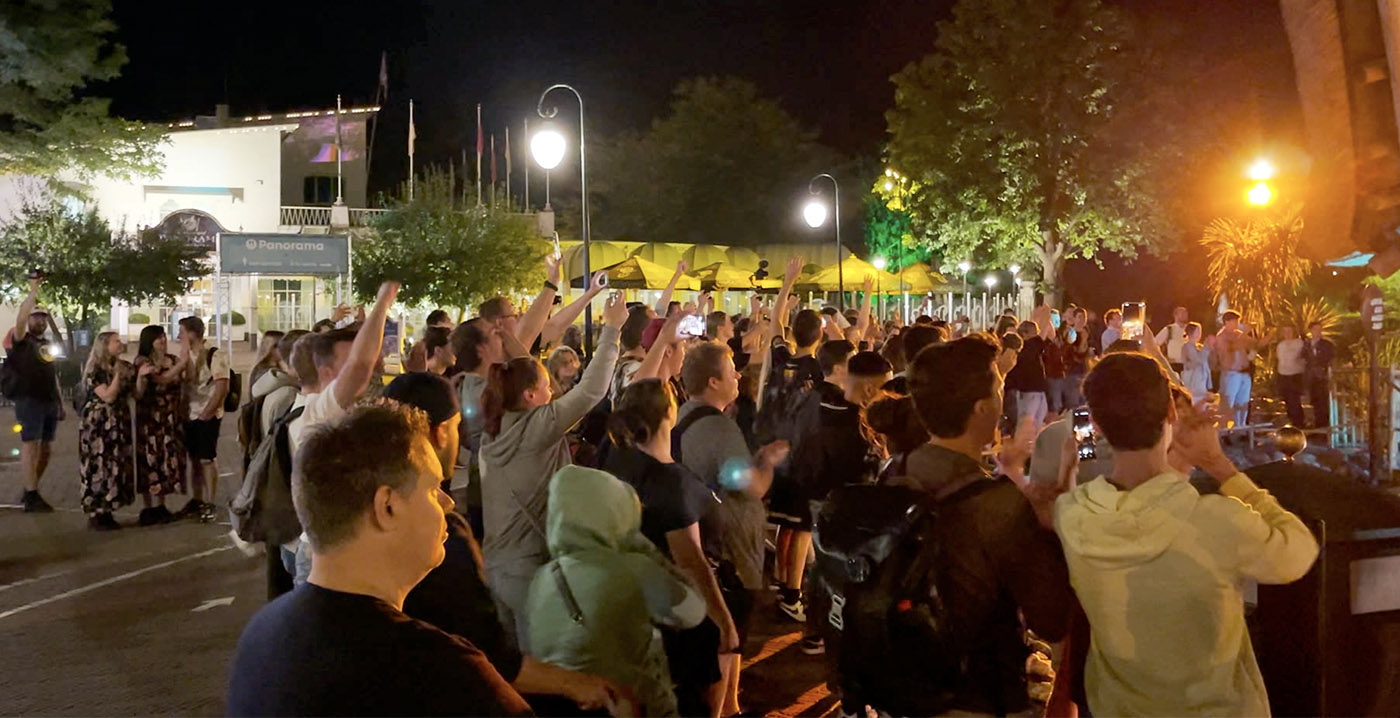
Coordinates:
[888,233]
[446,251]
[87,265]
[52,50]
[725,166]
[1256,265]
[1026,159]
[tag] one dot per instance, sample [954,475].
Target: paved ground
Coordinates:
[143,621]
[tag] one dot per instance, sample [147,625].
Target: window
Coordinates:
[283,304]
[318,190]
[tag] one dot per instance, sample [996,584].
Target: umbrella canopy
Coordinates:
[731,278]
[600,254]
[662,253]
[638,273]
[855,270]
[742,258]
[919,279]
[703,255]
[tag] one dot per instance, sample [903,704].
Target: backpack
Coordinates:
[250,434]
[783,397]
[9,379]
[262,510]
[878,560]
[700,412]
[234,397]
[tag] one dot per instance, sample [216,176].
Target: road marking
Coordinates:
[36,579]
[107,582]
[804,702]
[771,647]
[56,508]
[211,603]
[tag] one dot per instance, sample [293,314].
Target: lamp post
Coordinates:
[548,148]
[880,263]
[897,180]
[991,282]
[966,267]
[815,214]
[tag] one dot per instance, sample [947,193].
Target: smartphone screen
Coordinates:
[1084,433]
[692,326]
[558,253]
[1133,315]
[1055,319]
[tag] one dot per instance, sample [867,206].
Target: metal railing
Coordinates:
[308,216]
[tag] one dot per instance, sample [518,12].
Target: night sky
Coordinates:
[828,62]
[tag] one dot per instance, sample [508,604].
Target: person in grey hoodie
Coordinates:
[523,445]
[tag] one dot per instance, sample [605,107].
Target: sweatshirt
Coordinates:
[593,608]
[1158,571]
[516,464]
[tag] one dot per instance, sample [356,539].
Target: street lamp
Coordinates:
[815,214]
[1261,194]
[895,178]
[548,148]
[991,281]
[966,267]
[1015,269]
[879,263]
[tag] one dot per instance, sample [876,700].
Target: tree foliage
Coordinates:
[49,51]
[888,233]
[87,264]
[447,252]
[724,166]
[1028,159]
[1255,264]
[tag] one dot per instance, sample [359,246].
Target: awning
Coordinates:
[638,273]
[732,278]
[853,271]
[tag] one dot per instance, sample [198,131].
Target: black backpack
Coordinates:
[878,560]
[262,509]
[783,397]
[234,397]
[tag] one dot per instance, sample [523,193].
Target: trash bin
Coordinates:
[1329,644]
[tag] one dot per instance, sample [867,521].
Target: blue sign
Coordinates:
[283,254]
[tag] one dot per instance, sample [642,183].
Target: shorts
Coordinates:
[37,419]
[788,504]
[739,600]
[202,439]
[693,654]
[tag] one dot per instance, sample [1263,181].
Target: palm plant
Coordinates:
[1256,264]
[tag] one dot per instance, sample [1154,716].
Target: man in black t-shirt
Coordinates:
[1027,378]
[367,491]
[38,402]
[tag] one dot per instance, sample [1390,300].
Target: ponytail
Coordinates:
[506,385]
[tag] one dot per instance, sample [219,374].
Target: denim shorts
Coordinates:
[37,419]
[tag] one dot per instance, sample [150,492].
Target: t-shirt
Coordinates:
[1173,336]
[1290,357]
[1110,335]
[622,377]
[318,652]
[713,448]
[34,365]
[321,408]
[672,496]
[208,369]
[1029,373]
[805,369]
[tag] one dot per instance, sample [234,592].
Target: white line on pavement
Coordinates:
[107,582]
[36,579]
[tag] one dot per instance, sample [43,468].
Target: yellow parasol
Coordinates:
[638,273]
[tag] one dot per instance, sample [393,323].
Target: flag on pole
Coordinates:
[412,131]
[383,90]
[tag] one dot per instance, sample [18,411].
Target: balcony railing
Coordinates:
[305,216]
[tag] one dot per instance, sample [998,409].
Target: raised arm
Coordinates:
[596,379]
[364,352]
[664,302]
[863,320]
[775,327]
[669,337]
[556,325]
[532,324]
[26,308]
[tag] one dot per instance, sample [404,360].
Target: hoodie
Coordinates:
[517,463]
[593,608]
[1158,571]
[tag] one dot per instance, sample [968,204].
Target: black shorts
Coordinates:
[693,654]
[37,419]
[202,439]
[788,504]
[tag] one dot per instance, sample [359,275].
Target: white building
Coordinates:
[256,174]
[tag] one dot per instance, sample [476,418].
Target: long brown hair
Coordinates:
[639,412]
[505,389]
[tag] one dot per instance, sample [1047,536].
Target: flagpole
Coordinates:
[478,154]
[339,192]
[412,135]
[527,165]
[493,170]
[381,93]
[507,167]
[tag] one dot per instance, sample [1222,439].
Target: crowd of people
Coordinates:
[607,544]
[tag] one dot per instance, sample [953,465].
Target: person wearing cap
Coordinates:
[38,401]
[454,596]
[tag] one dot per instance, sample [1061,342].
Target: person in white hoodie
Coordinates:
[1158,566]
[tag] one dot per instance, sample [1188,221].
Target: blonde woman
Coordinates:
[269,357]
[104,437]
[564,367]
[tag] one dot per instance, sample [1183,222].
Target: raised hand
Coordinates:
[868,284]
[554,269]
[681,268]
[615,311]
[598,283]
[794,268]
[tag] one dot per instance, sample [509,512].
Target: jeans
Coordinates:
[1234,395]
[1320,394]
[1032,404]
[1064,393]
[1291,387]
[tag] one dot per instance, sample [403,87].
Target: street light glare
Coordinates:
[815,214]
[547,146]
[888,185]
[1015,268]
[1261,170]
[1261,194]
[964,267]
[990,281]
[879,263]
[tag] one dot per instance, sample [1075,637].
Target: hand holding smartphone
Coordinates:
[1083,429]
[1134,314]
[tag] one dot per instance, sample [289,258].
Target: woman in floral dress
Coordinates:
[160,423]
[104,438]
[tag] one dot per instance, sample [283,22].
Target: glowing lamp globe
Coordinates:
[547,146]
[1261,170]
[814,213]
[879,263]
[990,282]
[964,267]
[1261,194]
[1015,269]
